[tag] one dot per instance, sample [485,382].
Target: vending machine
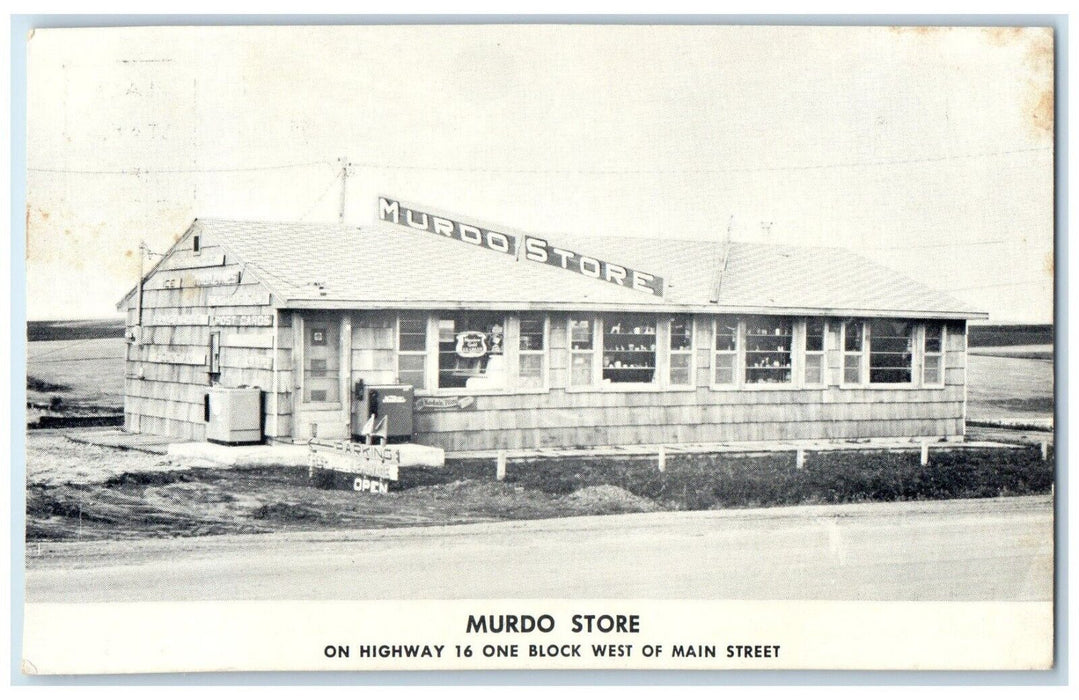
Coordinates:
[390,401]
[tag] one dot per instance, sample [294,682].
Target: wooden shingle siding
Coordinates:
[552,417]
[167,375]
[374,356]
[629,435]
[188,259]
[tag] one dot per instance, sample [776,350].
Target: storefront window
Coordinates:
[582,351]
[816,329]
[532,351]
[412,350]
[768,349]
[681,357]
[629,349]
[471,354]
[891,348]
[933,370]
[726,349]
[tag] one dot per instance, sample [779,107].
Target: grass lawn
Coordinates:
[81,372]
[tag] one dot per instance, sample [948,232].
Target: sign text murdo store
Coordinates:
[530,248]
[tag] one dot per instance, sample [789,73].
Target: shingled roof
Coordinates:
[389,266]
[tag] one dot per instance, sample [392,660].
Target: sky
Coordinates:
[929,150]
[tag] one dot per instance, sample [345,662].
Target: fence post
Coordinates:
[925,453]
[1045,450]
[800,458]
[500,470]
[662,457]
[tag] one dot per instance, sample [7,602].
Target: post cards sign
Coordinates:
[523,247]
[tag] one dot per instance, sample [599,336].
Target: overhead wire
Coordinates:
[553,171]
[321,196]
[173,171]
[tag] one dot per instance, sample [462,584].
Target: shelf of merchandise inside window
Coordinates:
[768,355]
[626,352]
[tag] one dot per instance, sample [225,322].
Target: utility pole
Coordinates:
[344,188]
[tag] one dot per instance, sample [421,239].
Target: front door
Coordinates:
[321,392]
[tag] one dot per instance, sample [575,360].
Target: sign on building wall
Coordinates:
[194,278]
[174,356]
[241,320]
[529,248]
[443,403]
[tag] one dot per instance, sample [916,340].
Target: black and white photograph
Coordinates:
[575,346]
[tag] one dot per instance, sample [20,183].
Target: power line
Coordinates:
[696,171]
[546,171]
[279,278]
[321,196]
[172,171]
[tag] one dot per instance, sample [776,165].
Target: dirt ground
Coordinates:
[77,491]
[82,492]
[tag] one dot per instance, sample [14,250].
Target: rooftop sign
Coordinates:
[530,248]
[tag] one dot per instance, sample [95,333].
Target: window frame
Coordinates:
[596,349]
[398,352]
[671,352]
[510,351]
[940,354]
[433,327]
[868,368]
[806,353]
[544,353]
[863,355]
[737,354]
[743,382]
[602,320]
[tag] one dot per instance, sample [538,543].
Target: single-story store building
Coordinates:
[511,340]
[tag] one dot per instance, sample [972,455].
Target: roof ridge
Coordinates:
[394,265]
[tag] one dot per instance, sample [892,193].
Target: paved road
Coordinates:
[999,549]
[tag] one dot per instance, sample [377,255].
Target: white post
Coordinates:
[925,453]
[1045,450]
[800,458]
[500,472]
[662,457]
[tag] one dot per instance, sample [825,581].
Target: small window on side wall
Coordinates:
[933,355]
